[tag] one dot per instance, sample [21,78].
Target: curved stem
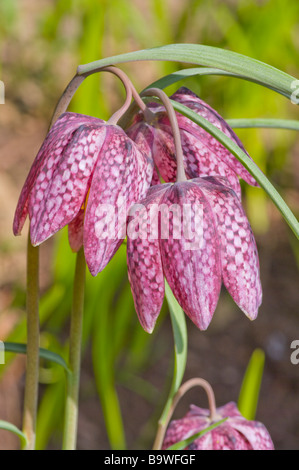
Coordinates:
[76,81]
[181,176]
[73,379]
[32,358]
[121,111]
[66,97]
[180,393]
[127,83]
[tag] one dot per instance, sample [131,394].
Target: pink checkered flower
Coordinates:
[236,433]
[83,165]
[203,154]
[195,234]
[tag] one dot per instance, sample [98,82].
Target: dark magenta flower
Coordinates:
[203,154]
[196,235]
[236,433]
[84,167]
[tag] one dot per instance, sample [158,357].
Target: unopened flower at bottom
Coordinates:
[236,433]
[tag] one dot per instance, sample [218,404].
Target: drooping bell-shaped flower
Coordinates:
[87,173]
[203,154]
[236,433]
[195,234]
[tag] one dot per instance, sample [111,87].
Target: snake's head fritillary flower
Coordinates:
[196,235]
[84,168]
[236,433]
[203,154]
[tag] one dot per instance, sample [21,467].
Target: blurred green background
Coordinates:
[126,372]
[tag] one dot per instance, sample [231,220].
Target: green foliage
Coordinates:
[250,389]
[79,32]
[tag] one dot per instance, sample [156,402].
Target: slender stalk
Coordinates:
[76,81]
[66,97]
[73,379]
[32,364]
[180,176]
[180,393]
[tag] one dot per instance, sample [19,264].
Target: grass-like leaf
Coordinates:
[229,61]
[12,428]
[244,123]
[20,348]
[250,389]
[180,346]
[186,442]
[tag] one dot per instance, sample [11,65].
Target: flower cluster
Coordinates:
[91,175]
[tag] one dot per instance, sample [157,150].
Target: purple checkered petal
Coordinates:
[183,428]
[239,256]
[224,437]
[157,144]
[121,177]
[53,146]
[143,135]
[254,432]
[198,159]
[61,186]
[190,251]
[145,270]
[189,99]
[236,433]
[75,231]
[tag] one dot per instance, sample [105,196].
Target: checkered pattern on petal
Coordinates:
[239,256]
[236,433]
[121,177]
[191,265]
[145,269]
[53,146]
[61,186]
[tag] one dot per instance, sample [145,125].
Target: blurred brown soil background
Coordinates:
[221,354]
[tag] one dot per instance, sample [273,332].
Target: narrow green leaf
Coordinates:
[290,124]
[175,77]
[186,442]
[246,161]
[250,389]
[12,428]
[180,346]
[229,61]
[43,353]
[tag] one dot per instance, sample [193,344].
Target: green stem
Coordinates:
[180,337]
[76,81]
[197,381]
[274,123]
[180,176]
[32,365]
[73,378]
